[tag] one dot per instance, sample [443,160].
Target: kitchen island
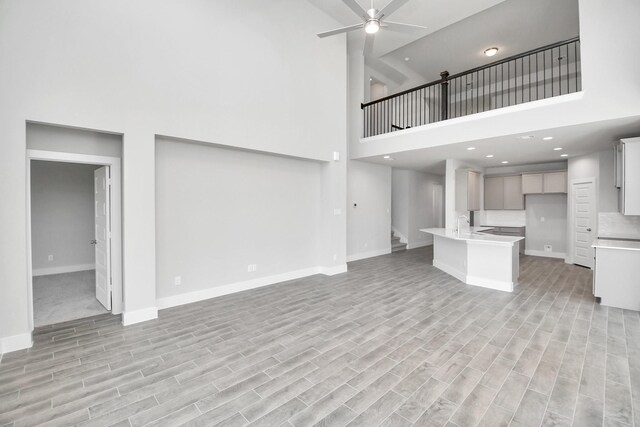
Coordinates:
[477,259]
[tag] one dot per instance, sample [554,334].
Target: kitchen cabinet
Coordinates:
[503,193]
[532,183]
[630,176]
[545,182]
[493,193]
[615,276]
[467,190]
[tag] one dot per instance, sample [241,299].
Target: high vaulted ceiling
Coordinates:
[457,33]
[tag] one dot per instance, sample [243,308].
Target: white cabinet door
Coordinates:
[532,183]
[473,191]
[494,193]
[513,197]
[555,182]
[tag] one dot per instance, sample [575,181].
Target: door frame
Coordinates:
[114,164]
[571,213]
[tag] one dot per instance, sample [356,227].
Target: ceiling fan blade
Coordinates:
[391,7]
[340,30]
[357,9]
[368,45]
[404,28]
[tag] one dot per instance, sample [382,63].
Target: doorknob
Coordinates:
[588,229]
[94,242]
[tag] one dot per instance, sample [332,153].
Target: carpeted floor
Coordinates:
[68,296]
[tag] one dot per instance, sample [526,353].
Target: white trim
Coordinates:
[419,244]
[370,254]
[460,275]
[63,269]
[333,270]
[204,294]
[137,316]
[15,343]
[534,252]
[491,284]
[114,164]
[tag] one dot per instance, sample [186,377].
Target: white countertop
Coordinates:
[617,244]
[472,235]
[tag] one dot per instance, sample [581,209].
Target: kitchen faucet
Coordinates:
[458,222]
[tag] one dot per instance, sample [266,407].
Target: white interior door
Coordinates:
[102,196]
[584,220]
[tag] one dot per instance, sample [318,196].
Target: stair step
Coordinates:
[396,247]
[395,240]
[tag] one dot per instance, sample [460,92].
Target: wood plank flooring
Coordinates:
[393,342]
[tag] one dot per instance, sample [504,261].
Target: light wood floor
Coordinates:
[393,342]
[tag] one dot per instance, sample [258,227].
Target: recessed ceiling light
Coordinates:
[504,161]
[406,58]
[387,157]
[557,149]
[526,137]
[564,155]
[489,155]
[547,138]
[471,148]
[491,51]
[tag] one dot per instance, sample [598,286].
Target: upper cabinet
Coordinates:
[546,182]
[503,193]
[630,176]
[532,183]
[467,190]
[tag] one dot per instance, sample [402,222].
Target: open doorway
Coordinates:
[74,236]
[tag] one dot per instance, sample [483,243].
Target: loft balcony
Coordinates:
[549,71]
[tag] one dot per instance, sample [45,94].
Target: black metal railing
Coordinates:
[541,73]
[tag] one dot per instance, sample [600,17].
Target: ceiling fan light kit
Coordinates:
[372,26]
[372,21]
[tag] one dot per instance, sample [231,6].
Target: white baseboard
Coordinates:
[15,343]
[460,275]
[63,269]
[369,254]
[534,252]
[419,245]
[333,270]
[491,284]
[136,316]
[189,297]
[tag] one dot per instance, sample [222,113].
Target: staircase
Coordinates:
[396,244]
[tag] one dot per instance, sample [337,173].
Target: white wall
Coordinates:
[220,210]
[368,210]
[546,216]
[414,205]
[159,67]
[401,183]
[62,217]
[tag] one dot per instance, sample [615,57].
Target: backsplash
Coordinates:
[504,218]
[616,225]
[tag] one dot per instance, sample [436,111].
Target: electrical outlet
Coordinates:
[50,257]
[177,281]
[548,248]
[252,267]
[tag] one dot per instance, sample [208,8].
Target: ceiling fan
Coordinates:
[372,20]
